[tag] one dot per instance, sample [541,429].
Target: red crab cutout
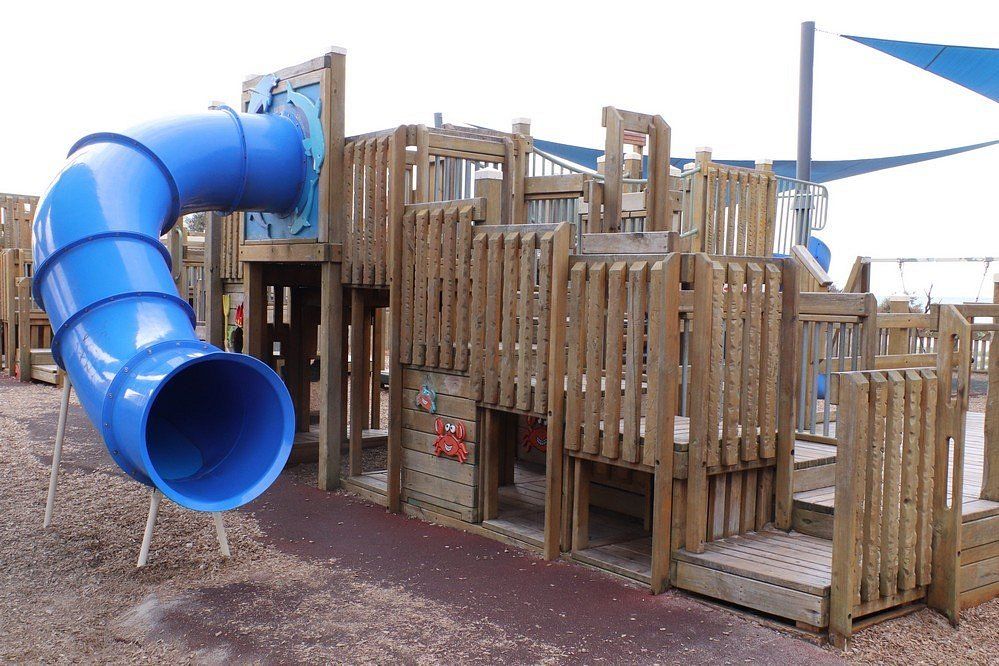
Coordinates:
[537,435]
[450,440]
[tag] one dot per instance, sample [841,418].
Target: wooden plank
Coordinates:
[434,259]
[786,348]
[420,289]
[911,449]
[924,503]
[525,316]
[546,299]
[752,333]
[595,335]
[638,290]
[463,288]
[480,280]
[701,419]
[448,300]
[873,495]
[716,360]
[381,212]
[555,504]
[494,320]
[575,341]
[511,280]
[849,464]
[616,297]
[769,345]
[406,297]
[370,225]
[792,604]
[891,485]
[400,259]
[733,366]
[581,504]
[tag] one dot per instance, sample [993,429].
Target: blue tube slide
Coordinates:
[210,429]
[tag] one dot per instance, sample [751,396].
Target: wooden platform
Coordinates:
[787,574]
[521,513]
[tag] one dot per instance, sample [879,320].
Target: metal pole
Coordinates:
[803,166]
[147,536]
[57,451]
[803,163]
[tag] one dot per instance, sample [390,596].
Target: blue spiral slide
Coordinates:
[211,430]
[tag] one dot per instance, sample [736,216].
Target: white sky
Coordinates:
[722,74]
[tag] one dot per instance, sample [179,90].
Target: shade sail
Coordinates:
[823,171]
[972,67]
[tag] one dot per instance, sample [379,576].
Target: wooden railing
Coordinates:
[16,213]
[742,358]
[511,302]
[883,525]
[365,197]
[618,359]
[437,283]
[900,483]
[811,276]
[836,333]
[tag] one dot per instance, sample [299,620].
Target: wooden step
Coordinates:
[41,356]
[48,373]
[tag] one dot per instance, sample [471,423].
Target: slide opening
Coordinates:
[216,432]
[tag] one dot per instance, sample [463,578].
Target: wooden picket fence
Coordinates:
[436,283]
[510,320]
[739,350]
[882,539]
[617,370]
[365,201]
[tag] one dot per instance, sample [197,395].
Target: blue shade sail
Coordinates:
[973,67]
[823,171]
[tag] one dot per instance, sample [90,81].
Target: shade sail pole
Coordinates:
[803,162]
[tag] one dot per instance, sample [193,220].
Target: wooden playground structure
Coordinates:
[610,368]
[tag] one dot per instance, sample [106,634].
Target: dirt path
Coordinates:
[315,577]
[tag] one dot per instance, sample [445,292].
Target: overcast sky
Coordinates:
[722,74]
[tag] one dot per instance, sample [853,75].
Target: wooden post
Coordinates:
[554,458]
[951,408]
[396,210]
[255,313]
[990,471]
[785,402]
[613,148]
[844,556]
[215,316]
[699,195]
[898,338]
[10,308]
[377,365]
[489,185]
[658,201]
[358,379]
[24,328]
[332,421]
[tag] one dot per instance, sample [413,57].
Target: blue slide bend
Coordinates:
[210,429]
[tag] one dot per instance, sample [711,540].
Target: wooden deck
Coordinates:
[521,513]
[821,500]
[769,571]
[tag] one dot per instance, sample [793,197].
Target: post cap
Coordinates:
[766,160]
[601,159]
[633,156]
[521,121]
[703,149]
[338,50]
[489,173]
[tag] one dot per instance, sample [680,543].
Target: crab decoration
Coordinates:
[450,440]
[537,435]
